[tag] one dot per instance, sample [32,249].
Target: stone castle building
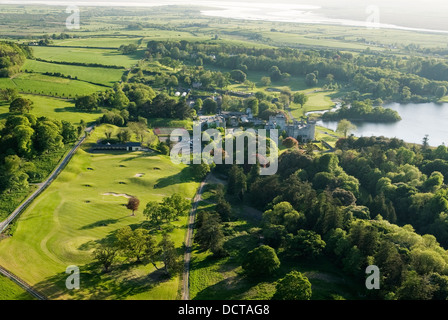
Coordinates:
[299,130]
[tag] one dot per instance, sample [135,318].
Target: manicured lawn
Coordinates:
[317,101]
[63,225]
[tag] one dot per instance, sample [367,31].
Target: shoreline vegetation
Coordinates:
[362,111]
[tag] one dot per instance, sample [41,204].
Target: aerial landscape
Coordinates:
[312,138]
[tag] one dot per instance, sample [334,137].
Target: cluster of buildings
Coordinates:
[301,130]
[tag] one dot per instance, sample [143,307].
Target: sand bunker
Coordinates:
[117,195]
[139,175]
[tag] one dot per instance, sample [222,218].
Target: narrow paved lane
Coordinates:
[189,242]
[22,284]
[4,224]
[19,209]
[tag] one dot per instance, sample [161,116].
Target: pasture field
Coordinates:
[53,86]
[87,55]
[54,108]
[63,225]
[103,76]
[11,291]
[291,39]
[7,83]
[100,42]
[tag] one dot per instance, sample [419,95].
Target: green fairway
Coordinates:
[317,101]
[104,76]
[86,55]
[54,108]
[11,291]
[62,226]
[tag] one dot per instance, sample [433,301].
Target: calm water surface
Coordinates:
[417,121]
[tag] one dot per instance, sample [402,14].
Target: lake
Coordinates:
[417,121]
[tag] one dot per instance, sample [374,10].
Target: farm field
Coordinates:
[100,42]
[53,86]
[86,55]
[103,76]
[63,225]
[54,108]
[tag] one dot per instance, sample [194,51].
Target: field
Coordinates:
[51,86]
[103,42]
[54,108]
[102,76]
[86,55]
[63,225]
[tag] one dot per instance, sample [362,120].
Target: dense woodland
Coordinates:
[12,57]
[373,201]
[368,203]
[388,77]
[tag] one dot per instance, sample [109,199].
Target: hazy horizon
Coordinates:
[400,14]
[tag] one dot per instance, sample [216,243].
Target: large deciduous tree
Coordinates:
[294,286]
[345,127]
[105,254]
[21,105]
[261,261]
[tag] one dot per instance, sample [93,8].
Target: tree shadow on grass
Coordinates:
[231,288]
[118,284]
[75,110]
[101,223]
[183,176]
[135,156]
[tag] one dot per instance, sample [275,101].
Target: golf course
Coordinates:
[86,204]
